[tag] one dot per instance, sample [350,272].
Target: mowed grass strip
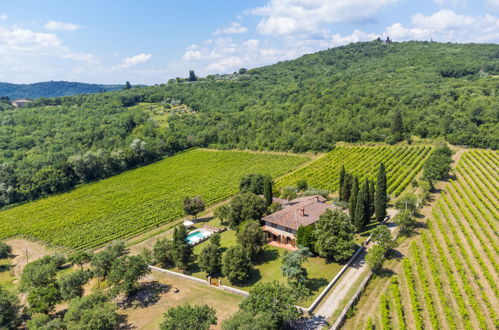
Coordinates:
[137,200]
[402,164]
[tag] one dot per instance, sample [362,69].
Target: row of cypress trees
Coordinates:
[364,199]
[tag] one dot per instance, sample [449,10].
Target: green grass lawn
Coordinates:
[7,277]
[268,267]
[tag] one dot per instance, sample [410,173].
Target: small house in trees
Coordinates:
[280,227]
[20,103]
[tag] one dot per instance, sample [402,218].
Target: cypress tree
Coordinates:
[359,213]
[367,202]
[347,187]
[380,195]
[371,198]
[353,198]
[267,190]
[342,180]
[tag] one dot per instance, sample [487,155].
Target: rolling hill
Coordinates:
[52,89]
[352,93]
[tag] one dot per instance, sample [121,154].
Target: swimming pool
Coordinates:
[197,236]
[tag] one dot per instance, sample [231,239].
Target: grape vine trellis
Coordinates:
[137,200]
[401,163]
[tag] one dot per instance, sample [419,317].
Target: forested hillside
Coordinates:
[52,89]
[361,92]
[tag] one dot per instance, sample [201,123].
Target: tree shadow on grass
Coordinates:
[204,219]
[148,294]
[267,255]
[255,276]
[385,273]
[314,284]
[4,268]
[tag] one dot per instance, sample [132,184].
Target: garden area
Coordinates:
[267,266]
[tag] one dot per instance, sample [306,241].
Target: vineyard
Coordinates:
[450,278]
[402,164]
[137,200]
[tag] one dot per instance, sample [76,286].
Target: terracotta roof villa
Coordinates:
[280,227]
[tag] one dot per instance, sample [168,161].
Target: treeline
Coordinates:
[45,150]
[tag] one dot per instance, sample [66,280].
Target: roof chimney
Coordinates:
[302,211]
[317,198]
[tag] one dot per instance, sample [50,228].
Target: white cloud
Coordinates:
[492,4]
[55,26]
[233,28]
[299,16]
[3,16]
[26,41]
[134,60]
[447,26]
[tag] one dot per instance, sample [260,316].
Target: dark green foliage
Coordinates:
[42,299]
[267,191]
[302,185]
[353,198]
[194,205]
[192,76]
[438,164]
[247,206]
[375,258]
[80,258]
[126,272]
[10,317]
[406,222]
[292,266]
[162,252]
[251,238]
[289,193]
[103,261]
[305,237]
[5,250]
[397,127]
[346,188]
[253,183]
[236,264]
[127,85]
[380,195]
[367,202]
[181,249]
[334,234]
[223,213]
[71,285]
[372,194]
[248,321]
[382,236]
[52,89]
[39,273]
[189,317]
[273,299]
[360,215]
[92,312]
[44,322]
[210,258]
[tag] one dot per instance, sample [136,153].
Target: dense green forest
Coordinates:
[52,89]
[361,92]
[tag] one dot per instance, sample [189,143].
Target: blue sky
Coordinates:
[149,42]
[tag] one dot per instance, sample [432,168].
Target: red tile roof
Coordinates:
[302,211]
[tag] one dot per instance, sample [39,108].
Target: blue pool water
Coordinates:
[196,236]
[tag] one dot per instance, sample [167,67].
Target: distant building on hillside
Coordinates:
[280,227]
[20,103]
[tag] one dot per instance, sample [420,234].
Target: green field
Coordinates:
[127,204]
[402,164]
